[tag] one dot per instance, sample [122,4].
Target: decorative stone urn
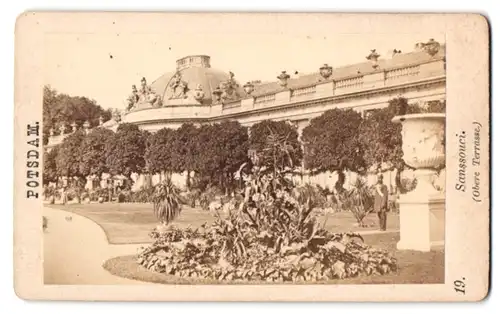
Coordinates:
[422,210]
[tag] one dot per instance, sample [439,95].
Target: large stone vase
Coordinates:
[422,211]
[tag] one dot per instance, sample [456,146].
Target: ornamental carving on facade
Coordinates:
[396,52]
[229,89]
[283,79]
[248,88]
[179,87]
[198,93]
[143,96]
[133,99]
[326,71]
[152,98]
[373,57]
[432,47]
[423,143]
[217,96]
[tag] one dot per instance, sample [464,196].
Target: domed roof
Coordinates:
[196,73]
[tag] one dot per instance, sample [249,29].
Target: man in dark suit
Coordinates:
[380,202]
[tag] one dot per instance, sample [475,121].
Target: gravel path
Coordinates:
[75,249]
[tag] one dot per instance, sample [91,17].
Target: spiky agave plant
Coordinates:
[166,202]
[359,200]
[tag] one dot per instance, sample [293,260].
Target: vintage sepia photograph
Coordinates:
[187,164]
[249,156]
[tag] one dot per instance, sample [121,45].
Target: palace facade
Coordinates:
[196,92]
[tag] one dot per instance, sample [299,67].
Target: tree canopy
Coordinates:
[49,165]
[125,151]
[184,148]
[69,155]
[62,109]
[93,152]
[221,150]
[381,139]
[332,142]
[159,149]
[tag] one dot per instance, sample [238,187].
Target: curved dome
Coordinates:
[196,73]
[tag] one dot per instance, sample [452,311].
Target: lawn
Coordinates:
[131,223]
[414,268]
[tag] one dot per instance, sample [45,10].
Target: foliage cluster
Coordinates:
[359,200]
[269,236]
[342,139]
[62,110]
[167,203]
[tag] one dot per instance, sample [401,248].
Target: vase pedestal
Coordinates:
[422,222]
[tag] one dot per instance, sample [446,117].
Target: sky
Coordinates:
[103,66]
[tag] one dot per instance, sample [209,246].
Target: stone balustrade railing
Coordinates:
[359,83]
[376,80]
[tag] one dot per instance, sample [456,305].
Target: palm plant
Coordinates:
[277,152]
[359,200]
[166,202]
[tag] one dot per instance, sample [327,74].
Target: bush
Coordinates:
[144,195]
[269,236]
[122,197]
[211,194]
[166,201]
[192,197]
[51,193]
[315,194]
[359,200]
[99,194]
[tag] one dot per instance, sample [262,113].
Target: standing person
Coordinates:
[64,194]
[381,200]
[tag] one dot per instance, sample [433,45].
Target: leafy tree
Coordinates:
[184,150]
[332,143]
[125,151]
[69,156]
[49,166]
[158,151]
[221,149]
[382,140]
[93,152]
[62,109]
[277,145]
[207,162]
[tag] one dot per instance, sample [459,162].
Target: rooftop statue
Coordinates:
[229,88]
[144,96]
[179,87]
[432,47]
[116,116]
[143,92]
[133,99]
[152,98]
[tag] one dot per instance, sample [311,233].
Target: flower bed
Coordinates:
[192,253]
[268,236]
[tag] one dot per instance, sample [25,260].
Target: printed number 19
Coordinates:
[459,286]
